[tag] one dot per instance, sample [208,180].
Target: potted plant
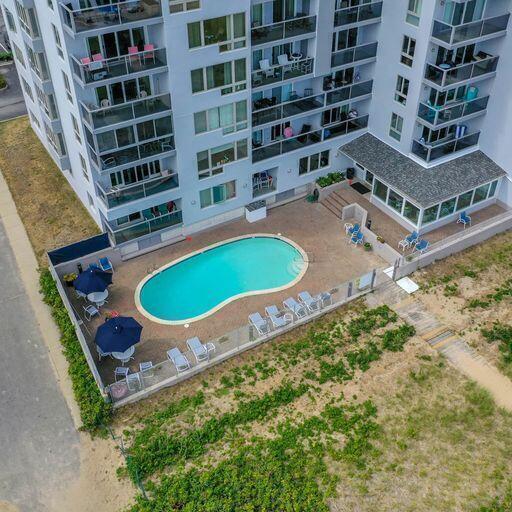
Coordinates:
[328,183]
[69,278]
[381,240]
[367,246]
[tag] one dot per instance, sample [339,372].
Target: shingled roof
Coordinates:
[424,186]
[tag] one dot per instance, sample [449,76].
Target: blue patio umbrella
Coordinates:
[118,334]
[92,280]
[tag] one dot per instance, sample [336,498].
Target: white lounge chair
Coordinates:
[265,67]
[285,62]
[198,349]
[259,323]
[299,310]
[277,318]
[179,360]
[312,303]
[101,353]
[90,311]
[326,299]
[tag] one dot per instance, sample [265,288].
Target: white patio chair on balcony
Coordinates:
[285,62]
[265,67]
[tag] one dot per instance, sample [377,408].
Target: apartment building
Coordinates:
[169,117]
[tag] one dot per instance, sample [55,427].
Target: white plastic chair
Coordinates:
[265,67]
[121,371]
[90,311]
[285,62]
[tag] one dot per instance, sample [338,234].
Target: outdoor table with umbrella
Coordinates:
[118,336]
[93,282]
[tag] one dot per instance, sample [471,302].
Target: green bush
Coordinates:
[330,179]
[503,334]
[3,81]
[94,411]
[5,56]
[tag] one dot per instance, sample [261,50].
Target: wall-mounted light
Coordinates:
[193,202]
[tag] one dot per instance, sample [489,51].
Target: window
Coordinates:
[27,88]
[464,200]
[58,42]
[313,162]
[67,86]
[231,118]
[218,194]
[28,20]
[344,39]
[226,31]
[430,214]
[38,64]
[210,162]
[91,201]
[10,20]
[447,207]
[411,212]
[135,174]
[84,167]
[34,119]
[56,141]
[402,89]
[408,49]
[395,128]
[413,12]
[380,190]
[50,4]
[176,6]
[76,129]
[395,201]
[18,54]
[481,193]
[47,103]
[494,185]
[230,76]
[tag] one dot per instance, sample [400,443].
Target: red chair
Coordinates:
[149,52]
[133,53]
[85,61]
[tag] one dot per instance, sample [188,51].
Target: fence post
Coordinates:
[349,290]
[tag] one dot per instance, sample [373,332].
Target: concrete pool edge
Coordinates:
[219,306]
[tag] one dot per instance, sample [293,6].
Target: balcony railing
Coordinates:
[355,54]
[357,14]
[456,34]
[119,66]
[128,155]
[283,30]
[118,196]
[429,153]
[450,76]
[308,138]
[440,115]
[145,227]
[110,15]
[305,104]
[276,74]
[106,116]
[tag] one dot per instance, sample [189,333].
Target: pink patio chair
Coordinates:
[97,57]
[85,61]
[149,52]
[133,54]
[288,132]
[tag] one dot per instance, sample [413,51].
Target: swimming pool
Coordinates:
[200,283]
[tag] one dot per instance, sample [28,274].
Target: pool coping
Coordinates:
[219,306]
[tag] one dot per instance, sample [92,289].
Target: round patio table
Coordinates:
[124,356]
[97,297]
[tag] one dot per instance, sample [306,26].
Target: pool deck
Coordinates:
[331,262]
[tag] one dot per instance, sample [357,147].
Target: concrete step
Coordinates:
[333,209]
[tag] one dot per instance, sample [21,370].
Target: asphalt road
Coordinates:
[38,441]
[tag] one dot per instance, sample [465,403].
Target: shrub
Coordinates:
[94,411]
[5,56]
[3,81]
[503,334]
[330,179]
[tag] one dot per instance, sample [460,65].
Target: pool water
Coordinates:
[202,283]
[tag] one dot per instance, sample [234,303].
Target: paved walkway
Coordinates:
[442,339]
[12,103]
[38,440]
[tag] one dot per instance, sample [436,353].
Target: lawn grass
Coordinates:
[52,214]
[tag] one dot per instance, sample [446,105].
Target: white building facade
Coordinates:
[168,117]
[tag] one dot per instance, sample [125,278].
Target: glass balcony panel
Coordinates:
[110,15]
[439,115]
[348,126]
[300,26]
[280,73]
[120,66]
[444,77]
[429,153]
[357,14]
[262,35]
[350,55]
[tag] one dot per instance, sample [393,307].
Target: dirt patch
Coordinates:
[51,212]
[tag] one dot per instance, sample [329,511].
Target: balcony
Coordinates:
[358,14]
[446,34]
[110,15]
[349,92]
[276,74]
[432,152]
[355,54]
[118,196]
[291,108]
[446,75]
[307,137]
[131,154]
[117,67]
[440,115]
[292,28]
[145,227]
[101,117]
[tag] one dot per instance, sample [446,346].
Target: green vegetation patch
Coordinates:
[94,411]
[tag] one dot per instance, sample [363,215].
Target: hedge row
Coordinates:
[94,411]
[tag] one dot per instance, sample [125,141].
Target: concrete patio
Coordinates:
[332,261]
